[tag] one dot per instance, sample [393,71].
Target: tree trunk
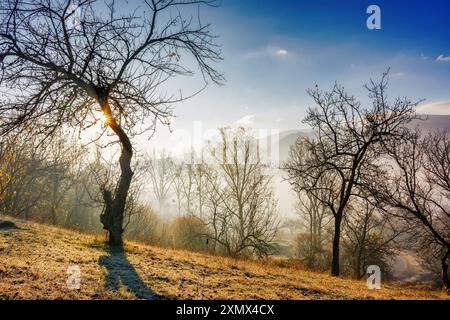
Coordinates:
[113,216]
[120,198]
[336,241]
[445,275]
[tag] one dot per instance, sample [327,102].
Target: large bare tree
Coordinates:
[60,64]
[347,140]
[238,192]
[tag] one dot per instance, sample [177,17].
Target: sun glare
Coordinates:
[103,119]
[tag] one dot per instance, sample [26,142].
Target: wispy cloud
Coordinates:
[443,58]
[268,52]
[281,52]
[438,108]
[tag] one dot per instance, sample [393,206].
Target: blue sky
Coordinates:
[274,50]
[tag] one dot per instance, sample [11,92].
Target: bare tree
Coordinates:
[188,180]
[103,173]
[189,233]
[7,152]
[416,188]
[83,212]
[347,140]
[315,217]
[244,210]
[369,237]
[27,172]
[57,72]
[38,179]
[64,160]
[177,184]
[199,179]
[160,172]
[215,199]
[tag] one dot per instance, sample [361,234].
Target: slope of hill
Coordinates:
[34,259]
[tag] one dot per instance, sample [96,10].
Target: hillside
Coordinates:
[34,259]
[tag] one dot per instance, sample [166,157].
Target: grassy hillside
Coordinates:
[34,260]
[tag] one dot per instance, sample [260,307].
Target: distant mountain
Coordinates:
[427,123]
[288,138]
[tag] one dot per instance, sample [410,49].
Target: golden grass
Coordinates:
[34,260]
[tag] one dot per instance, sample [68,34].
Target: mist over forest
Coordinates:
[139,151]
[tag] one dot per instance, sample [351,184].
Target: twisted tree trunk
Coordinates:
[113,215]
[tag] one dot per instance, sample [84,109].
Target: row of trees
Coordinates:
[224,198]
[227,186]
[372,175]
[368,237]
[35,178]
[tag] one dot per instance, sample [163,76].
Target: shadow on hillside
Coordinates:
[8,225]
[121,271]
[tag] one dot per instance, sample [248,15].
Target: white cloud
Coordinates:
[246,121]
[443,58]
[438,108]
[281,52]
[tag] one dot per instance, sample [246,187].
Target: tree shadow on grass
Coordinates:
[121,271]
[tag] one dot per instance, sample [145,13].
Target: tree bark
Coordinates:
[113,216]
[336,241]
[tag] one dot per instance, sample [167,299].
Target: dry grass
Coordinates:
[34,260]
